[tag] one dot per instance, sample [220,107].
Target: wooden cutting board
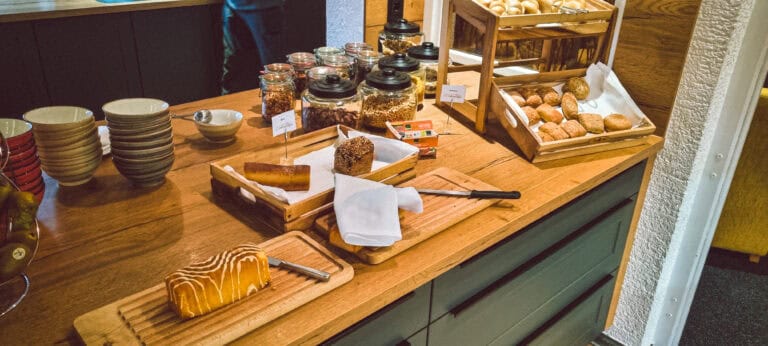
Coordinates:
[440,212]
[146,318]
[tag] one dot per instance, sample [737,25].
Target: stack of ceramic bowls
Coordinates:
[67,143]
[23,166]
[141,139]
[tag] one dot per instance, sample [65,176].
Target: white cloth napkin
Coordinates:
[366,211]
[385,150]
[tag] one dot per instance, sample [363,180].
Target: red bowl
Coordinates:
[32,185]
[26,178]
[12,165]
[15,131]
[21,154]
[18,171]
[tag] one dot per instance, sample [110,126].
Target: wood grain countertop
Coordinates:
[106,240]
[21,10]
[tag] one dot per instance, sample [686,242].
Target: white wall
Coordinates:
[714,104]
[344,21]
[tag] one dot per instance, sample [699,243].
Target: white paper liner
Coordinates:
[386,151]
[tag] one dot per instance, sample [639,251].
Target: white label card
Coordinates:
[453,93]
[283,122]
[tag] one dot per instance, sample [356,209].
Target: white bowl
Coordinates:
[58,118]
[222,127]
[134,109]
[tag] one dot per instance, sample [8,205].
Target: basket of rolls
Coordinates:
[532,12]
[555,117]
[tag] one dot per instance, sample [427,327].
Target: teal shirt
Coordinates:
[253,4]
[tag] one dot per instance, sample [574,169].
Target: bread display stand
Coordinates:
[298,216]
[145,318]
[440,212]
[550,28]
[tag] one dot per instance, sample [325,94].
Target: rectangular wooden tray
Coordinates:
[146,318]
[440,212]
[299,216]
[596,10]
[536,150]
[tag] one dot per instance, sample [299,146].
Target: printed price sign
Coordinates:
[453,93]
[283,123]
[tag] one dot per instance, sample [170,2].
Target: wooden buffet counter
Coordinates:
[107,239]
[20,10]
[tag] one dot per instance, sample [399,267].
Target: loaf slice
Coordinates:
[220,280]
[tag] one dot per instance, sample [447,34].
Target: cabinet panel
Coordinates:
[178,53]
[418,339]
[88,60]
[519,303]
[392,324]
[460,283]
[22,84]
[583,322]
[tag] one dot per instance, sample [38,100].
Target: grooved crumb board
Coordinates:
[440,212]
[146,318]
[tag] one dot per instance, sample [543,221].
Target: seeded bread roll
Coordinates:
[549,96]
[617,122]
[220,280]
[549,114]
[574,129]
[570,106]
[592,122]
[532,114]
[554,130]
[288,178]
[354,156]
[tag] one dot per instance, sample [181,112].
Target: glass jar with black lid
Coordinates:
[387,95]
[428,55]
[411,66]
[329,102]
[398,36]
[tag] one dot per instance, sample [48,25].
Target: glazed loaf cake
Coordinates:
[220,280]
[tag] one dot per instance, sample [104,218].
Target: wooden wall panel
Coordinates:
[372,33]
[653,44]
[22,84]
[376,16]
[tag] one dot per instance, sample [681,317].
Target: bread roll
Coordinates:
[574,129]
[532,114]
[288,178]
[532,99]
[570,106]
[578,86]
[545,137]
[592,122]
[519,99]
[354,156]
[617,122]
[549,114]
[554,130]
[549,96]
[220,280]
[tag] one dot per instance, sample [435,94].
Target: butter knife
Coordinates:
[473,193]
[311,272]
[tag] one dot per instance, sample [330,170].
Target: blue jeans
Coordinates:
[251,38]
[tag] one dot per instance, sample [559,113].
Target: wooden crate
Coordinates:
[530,143]
[298,216]
[551,28]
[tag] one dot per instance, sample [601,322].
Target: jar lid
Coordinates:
[388,79]
[426,51]
[276,77]
[278,67]
[333,87]
[399,62]
[336,61]
[401,26]
[353,48]
[369,56]
[319,72]
[301,57]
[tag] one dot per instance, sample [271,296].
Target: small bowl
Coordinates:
[222,127]
[58,118]
[134,109]
[21,170]
[69,153]
[50,142]
[27,177]
[22,162]
[22,154]
[16,132]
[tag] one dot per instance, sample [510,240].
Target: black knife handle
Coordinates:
[494,194]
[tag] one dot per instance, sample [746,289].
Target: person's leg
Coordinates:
[242,64]
[266,27]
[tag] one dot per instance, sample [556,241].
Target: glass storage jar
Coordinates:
[387,95]
[398,36]
[322,52]
[277,94]
[301,63]
[403,63]
[366,61]
[352,49]
[329,102]
[341,63]
[279,68]
[319,73]
[428,55]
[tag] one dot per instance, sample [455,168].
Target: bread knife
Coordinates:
[311,272]
[473,193]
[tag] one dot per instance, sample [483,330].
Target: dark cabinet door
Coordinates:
[22,85]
